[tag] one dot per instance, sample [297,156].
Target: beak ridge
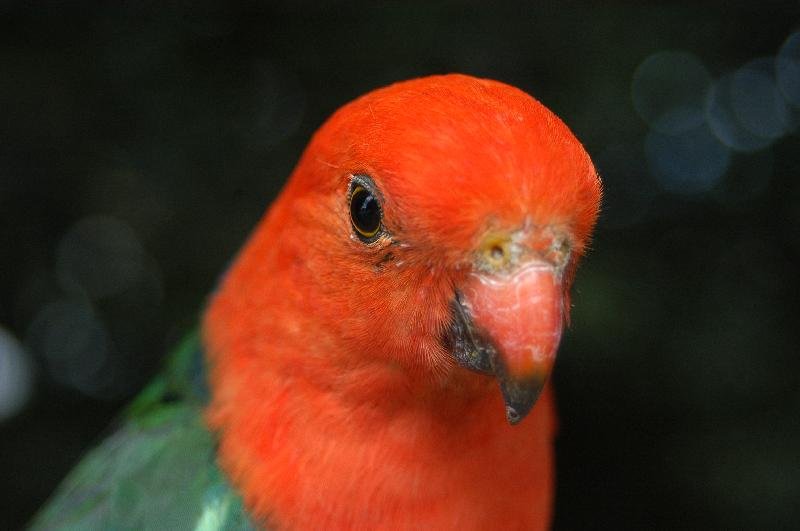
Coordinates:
[514,323]
[519,394]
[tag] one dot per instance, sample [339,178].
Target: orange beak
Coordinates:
[515,320]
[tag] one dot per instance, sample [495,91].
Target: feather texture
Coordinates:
[157,470]
[337,402]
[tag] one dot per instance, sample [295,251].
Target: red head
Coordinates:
[429,234]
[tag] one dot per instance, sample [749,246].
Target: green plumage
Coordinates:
[158,470]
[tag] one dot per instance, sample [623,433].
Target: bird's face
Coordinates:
[450,231]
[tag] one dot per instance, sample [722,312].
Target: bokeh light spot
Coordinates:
[689,163]
[756,101]
[16,375]
[101,256]
[278,108]
[725,123]
[669,90]
[74,345]
[787,66]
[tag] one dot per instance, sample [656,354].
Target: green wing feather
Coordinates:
[158,470]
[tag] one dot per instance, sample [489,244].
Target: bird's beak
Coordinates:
[509,324]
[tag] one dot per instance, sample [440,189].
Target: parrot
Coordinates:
[377,354]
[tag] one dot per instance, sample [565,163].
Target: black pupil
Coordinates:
[365,212]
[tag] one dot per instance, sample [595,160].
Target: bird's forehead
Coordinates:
[460,153]
[474,163]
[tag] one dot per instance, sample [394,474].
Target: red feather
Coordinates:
[336,402]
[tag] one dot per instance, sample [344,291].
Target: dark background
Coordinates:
[139,144]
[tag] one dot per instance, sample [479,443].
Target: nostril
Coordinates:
[497,252]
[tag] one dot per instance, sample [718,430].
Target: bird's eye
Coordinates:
[365,213]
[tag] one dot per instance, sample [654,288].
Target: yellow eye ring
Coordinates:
[365,213]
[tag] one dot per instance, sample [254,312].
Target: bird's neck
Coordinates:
[317,444]
[377,455]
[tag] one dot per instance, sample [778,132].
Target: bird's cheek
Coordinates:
[521,314]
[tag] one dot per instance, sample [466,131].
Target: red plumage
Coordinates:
[336,399]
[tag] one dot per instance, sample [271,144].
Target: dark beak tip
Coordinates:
[512,416]
[515,413]
[475,350]
[520,396]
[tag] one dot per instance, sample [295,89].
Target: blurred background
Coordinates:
[139,145]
